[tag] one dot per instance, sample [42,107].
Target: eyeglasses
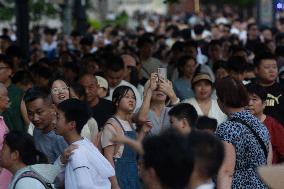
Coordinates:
[57,91]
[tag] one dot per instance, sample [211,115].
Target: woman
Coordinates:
[154,110]
[246,139]
[122,157]
[60,92]
[186,68]
[202,86]
[19,155]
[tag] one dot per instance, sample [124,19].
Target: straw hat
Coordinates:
[272,176]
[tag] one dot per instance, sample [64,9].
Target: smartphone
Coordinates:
[162,73]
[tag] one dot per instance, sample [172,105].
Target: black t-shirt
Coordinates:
[275,102]
[103,111]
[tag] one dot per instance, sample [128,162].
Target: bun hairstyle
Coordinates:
[24,144]
[119,93]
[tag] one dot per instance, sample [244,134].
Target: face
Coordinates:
[114,78]
[127,102]
[90,85]
[189,68]
[4,99]
[59,91]
[5,72]
[6,157]
[221,73]
[179,124]
[267,71]
[40,113]
[203,89]
[61,124]
[256,105]
[158,96]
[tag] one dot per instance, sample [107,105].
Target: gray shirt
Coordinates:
[51,144]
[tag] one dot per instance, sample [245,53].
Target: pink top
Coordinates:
[5,175]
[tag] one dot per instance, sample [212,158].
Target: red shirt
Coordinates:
[276,132]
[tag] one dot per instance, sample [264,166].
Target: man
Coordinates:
[114,74]
[167,161]
[102,109]
[208,157]
[183,117]
[149,63]
[42,114]
[13,115]
[267,72]
[87,167]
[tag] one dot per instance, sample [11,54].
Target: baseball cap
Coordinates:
[102,82]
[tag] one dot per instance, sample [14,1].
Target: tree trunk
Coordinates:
[22,23]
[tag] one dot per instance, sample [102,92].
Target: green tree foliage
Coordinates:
[37,9]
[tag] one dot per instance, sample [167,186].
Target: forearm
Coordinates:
[224,181]
[143,112]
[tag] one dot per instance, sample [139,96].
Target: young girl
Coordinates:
[122,157]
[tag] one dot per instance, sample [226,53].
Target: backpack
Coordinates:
[36,176]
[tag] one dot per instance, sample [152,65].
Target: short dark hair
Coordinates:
[237,64]
[181,63]
[25,145]
[75,110]
[114,63]
[208,153]
[263,56]
[256,89]
[219,64]
[23,77]
[36,93]
[204,122]
[185,110]
[6,60]
[170,156]
[232,92]
[144,40]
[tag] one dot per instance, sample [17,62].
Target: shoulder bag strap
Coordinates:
[33,175]
[254,133]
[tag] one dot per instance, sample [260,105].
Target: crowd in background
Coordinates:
[211,119]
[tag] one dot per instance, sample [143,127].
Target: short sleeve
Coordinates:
[228,132]
[78,160]
[107,134]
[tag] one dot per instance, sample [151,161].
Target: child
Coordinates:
[121,156]
[87,167]
[208,124]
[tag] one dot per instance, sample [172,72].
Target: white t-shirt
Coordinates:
[88,168]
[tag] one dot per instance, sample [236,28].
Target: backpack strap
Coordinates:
[36,176]
[257,137]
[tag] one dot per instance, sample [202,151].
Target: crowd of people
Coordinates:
[179,102]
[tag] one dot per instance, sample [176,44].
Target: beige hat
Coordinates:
[102,82]
[272,176]
[201,76]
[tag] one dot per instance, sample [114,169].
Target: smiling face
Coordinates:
[59,91]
